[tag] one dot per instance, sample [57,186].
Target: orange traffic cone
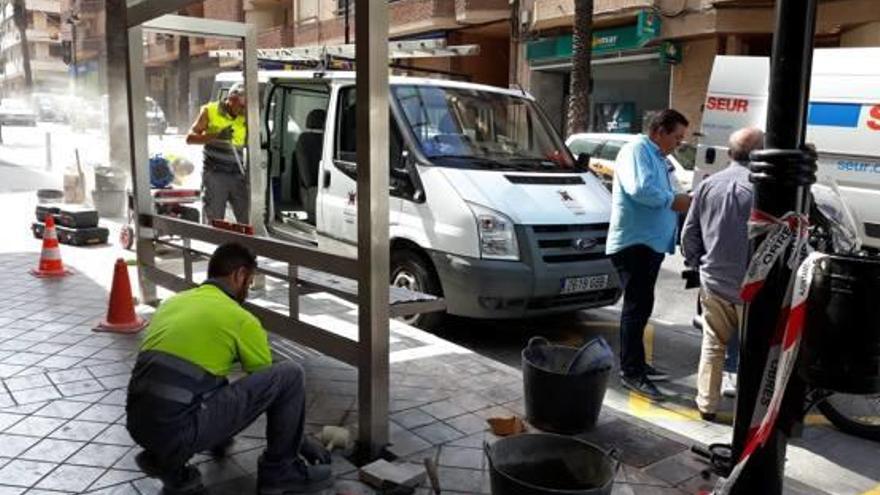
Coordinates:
[50,259]
[121,317]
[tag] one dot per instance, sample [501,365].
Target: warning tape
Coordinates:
[791,230]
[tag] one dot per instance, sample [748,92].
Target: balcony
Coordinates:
[481,11]
[51,6]
[560,13]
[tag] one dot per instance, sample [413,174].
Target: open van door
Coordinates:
[295,124]
[338,182]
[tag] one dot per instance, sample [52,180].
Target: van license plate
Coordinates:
[574,285]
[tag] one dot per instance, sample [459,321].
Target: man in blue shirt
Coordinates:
[644,218]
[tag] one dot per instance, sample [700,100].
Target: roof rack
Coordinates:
[396,50]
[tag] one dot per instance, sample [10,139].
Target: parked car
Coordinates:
[92,114]
[50,107]
[603,150]
[156,122]
[14,111]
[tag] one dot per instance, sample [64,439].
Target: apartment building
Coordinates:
[43,34]
[649,54]
[287,23]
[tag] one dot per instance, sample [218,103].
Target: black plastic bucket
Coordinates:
[556,401]
[841,343]
[548,464]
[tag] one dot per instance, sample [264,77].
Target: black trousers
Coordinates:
[174,432]
[638,267]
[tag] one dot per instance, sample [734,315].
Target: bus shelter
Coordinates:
[370,352]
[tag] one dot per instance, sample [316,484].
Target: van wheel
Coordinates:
[409,270]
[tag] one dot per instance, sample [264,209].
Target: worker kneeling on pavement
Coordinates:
[180,402]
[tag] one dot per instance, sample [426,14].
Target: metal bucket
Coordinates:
[549,464]
[841,343]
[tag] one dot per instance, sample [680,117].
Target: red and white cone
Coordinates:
[50,265]
[121,317]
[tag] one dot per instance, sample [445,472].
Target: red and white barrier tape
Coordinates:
[790,230]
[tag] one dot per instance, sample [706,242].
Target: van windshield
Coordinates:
[468,128]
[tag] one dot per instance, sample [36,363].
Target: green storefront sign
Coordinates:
[611,40]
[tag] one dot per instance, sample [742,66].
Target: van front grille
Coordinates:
[571,243]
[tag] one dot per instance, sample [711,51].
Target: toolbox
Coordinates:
[83,236]
[75,217]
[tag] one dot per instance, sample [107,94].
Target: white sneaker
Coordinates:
[728,384]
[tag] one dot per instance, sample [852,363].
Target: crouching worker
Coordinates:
[180,402]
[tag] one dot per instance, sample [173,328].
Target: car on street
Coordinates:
[50,107]
[14,111]
[603,149]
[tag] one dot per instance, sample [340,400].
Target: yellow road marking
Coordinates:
[644,408]
[649,343]
[873,491]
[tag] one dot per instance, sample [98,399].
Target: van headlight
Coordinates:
[497,235]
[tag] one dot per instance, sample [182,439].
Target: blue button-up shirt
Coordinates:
[641,200]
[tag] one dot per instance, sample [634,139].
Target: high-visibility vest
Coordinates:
[219,120]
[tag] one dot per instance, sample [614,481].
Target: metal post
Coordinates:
[139,159]
[347,21]
[371,57]
[48,151]
[779,189]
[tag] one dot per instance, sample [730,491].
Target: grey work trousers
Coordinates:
[175,433]
[218,188]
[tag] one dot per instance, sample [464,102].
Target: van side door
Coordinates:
[338,188]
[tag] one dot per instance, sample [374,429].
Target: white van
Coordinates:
[843,122]
[488,207]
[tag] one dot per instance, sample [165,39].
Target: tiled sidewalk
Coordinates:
[63,394]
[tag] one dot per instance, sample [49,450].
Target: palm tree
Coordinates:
[581,74]
[19,16]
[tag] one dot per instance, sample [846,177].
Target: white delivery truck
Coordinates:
[488,207]
[843,123]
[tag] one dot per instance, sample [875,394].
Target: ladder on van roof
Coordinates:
[321,53]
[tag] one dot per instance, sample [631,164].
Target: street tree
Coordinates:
[19,16]
[581,88]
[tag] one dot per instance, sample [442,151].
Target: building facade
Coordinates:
[44,45]
[650,54]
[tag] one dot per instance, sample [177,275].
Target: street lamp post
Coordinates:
[782,175]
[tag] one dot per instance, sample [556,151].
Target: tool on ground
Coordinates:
[431,468]
[50,265]
[121,317]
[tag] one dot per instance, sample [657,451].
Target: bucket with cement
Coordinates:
[550,464]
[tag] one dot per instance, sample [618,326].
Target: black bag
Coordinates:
[75,217]
[74,237]
[47,209]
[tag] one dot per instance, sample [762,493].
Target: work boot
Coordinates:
[184,480]
[654,374]
[642,385]
[291,476]
[313,452]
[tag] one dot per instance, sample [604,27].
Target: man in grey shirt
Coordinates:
[715,239]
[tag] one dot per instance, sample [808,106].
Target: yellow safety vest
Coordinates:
[219,120]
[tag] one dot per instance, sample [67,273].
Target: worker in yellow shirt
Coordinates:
[180,402]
